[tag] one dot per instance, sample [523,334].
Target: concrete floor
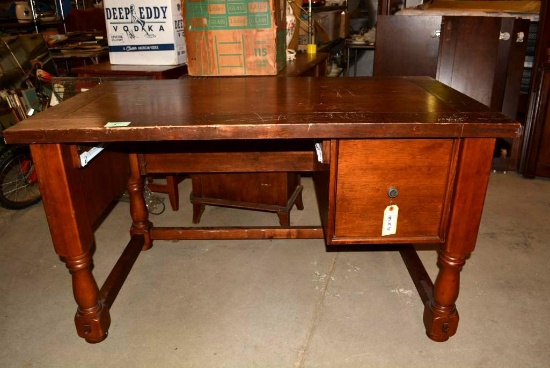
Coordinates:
[277,303]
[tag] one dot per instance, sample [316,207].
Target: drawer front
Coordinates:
[420,170]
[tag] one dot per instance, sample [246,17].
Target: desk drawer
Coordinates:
[422,172]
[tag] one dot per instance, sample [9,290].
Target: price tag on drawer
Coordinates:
[389,226]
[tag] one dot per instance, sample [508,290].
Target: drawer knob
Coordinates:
[393,192]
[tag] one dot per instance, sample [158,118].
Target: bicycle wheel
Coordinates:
[18,181]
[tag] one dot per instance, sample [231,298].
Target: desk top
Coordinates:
[264,108]
[108,69]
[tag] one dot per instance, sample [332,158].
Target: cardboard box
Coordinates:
[145,32]
[229,38]
[329,21]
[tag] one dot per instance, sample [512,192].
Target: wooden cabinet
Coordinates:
[421,191]
[407,45]
[537,162]
[482,57]
[536,150]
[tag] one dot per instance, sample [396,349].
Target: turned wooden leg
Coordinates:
[138,207]
[92,318]
[440,314]
[65,205]
[472,178]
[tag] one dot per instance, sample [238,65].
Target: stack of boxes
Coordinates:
[222,38]
[245,37]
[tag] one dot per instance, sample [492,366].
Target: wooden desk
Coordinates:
[429,155]
[109,70]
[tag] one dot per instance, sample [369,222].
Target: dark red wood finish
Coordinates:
[266,123]
[107,69]
[535,156]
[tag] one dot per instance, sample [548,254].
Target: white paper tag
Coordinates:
[389,226]
[116,124]
[319,150]
[87,156]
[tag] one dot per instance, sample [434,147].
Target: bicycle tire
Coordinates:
[18,183]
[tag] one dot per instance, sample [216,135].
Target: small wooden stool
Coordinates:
[271,192]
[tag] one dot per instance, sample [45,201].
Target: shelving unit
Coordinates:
[36,25]
[300,10]
[59,13]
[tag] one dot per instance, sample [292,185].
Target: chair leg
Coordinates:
[172,190]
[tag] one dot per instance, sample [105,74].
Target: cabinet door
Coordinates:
[483,58]
[543,159]
[538,151]
[420,171]
[468,55]
[406,45]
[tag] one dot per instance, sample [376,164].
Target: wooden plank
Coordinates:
[121,270]
[229,233]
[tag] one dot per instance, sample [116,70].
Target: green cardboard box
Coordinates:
[231,38]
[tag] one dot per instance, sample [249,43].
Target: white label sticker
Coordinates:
[319,150]
[116,124]
[389,226]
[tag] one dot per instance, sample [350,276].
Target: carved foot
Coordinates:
[440,322]
[92,318]
[440,314]
[93,325]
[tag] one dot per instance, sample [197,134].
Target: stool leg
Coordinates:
[284,218]
[299,202]
[198,209]
[172,190]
